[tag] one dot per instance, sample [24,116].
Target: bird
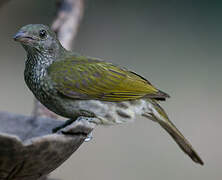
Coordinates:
[72,86]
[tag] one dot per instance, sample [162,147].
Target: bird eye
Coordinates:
[42,33]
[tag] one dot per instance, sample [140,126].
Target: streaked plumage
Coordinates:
[72,85]
[86,78]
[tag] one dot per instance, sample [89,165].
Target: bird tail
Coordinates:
[158,115]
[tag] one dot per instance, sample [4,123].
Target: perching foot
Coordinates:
[89,137]
[68,122]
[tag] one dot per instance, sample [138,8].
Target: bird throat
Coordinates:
[36,69]
[37,63]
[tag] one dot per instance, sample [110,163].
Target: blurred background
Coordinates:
[177,45]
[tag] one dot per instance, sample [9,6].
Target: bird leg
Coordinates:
[66,123]
[89,137]
[83,113]
[70,121]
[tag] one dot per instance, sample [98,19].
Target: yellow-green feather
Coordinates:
[88,78]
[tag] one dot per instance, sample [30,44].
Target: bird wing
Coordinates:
[80,77]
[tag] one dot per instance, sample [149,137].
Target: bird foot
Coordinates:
[89,137]
[68,122]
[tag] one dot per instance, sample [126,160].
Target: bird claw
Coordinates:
[89,137]
[68,122]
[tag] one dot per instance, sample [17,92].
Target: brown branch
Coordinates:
[29,150]
[66,23]
[3,2]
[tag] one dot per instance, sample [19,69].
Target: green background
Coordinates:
[177,45]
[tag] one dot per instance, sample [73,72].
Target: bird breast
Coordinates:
[35,74]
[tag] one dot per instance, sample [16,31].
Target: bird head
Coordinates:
[38,38]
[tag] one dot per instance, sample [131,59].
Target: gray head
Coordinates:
[38,38]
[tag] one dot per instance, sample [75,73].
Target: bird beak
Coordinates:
[22,37]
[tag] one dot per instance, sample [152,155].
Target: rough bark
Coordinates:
[29,150]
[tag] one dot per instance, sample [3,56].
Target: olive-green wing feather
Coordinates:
[84,78]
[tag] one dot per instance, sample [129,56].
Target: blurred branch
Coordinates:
[2,2]
[68,18]
[66,24]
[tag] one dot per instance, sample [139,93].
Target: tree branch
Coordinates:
[29,150]
[3,2]
[67,22]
